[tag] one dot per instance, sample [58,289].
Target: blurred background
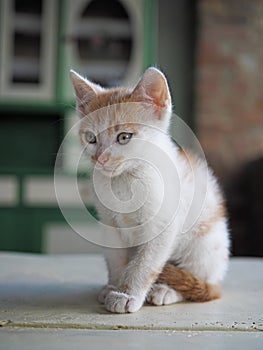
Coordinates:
[212,54]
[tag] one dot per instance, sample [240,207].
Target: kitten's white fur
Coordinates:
[167,223]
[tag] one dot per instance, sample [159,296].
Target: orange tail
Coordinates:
[188,285]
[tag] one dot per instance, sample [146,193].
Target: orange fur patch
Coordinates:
[206,227]
[124,288]
[114,96]
[190,157]
[128,220]
[129,127]
[188,285]
[221,212]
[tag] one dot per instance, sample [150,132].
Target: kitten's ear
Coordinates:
[85,91]
[153,88]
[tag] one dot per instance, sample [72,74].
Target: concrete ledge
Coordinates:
[59,292]
[61,339]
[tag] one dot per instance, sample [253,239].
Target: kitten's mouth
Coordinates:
[109,171]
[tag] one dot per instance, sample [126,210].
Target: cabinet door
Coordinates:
[104,41]
[27,46]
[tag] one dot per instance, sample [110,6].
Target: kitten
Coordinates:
[172,247]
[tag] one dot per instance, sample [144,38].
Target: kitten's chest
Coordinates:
[130,196]
[129,200]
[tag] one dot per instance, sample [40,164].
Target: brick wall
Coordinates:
[229,82]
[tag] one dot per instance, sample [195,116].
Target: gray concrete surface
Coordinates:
[47,300]
[74,339]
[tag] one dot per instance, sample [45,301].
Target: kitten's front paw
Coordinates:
[161,294]
[104,292]
[120,302]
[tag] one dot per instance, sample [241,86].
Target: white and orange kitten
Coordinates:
[171,227]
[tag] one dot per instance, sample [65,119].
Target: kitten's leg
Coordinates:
[86,191]
[208,259]
[104,292]
[116,260]
[138,277]
[162,294]
[199,274]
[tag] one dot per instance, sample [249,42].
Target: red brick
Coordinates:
[229,85]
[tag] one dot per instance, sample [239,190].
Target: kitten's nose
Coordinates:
[103,158]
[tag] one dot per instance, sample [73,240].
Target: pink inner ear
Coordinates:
[84,89]
[153,88]
[158,94]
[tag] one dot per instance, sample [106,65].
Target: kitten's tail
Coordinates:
[188,285]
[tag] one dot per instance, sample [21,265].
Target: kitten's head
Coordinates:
[113,119]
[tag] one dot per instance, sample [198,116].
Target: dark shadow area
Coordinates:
[245,198]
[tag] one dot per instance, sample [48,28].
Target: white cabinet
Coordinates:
[28,49]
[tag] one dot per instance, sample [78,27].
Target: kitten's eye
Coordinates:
[90,137]
[124,137]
